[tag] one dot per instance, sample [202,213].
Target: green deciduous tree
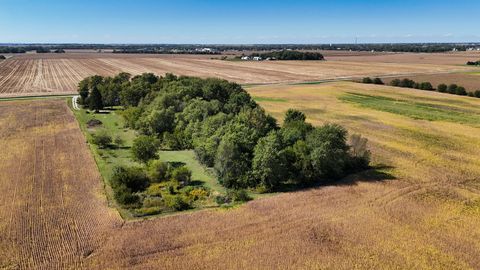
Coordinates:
[442,88]
[232,165]
[293,115]
[95,100]
[269,162]
[145,148]
[158,171]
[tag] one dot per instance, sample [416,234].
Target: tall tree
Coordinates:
[83,91]
[269,163]
[95,100]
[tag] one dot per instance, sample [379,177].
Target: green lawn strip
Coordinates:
[107,159]
[415,110]
[472,73]
[268,99]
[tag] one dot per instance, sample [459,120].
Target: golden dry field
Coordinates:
[419,209]
[40,74]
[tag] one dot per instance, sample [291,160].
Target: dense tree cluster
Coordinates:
[291,55]
[8,49]
[2,57]
[369,80]
[227,130]
[473,63]
[407,83]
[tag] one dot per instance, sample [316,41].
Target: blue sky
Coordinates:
[235,22]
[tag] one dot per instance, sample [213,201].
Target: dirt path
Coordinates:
[75,103]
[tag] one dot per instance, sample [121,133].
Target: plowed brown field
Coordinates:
[52,212]
[34,74]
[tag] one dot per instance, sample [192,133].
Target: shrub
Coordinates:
[124,195]
[145,148]
[378,81]
[367,80]
[442,88]
[147,211]
[153,202]
[222,200]
[177,202]
[131,177]
[155,190]
[119,141]
[238,195]
[183,175]
[198,194]
[102,139]
[158,171]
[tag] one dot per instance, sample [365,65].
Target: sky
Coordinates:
[238,22]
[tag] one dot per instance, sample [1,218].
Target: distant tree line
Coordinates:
[290,55]
[228,130]
[442,88]
[12,49]
[158,51]
[178,48]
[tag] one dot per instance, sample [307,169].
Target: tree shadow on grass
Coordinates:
[100,112]
[377,173]
[197,183]
[176,164]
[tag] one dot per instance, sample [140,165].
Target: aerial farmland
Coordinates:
[238,135]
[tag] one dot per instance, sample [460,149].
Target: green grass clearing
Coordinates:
[108,159]
[199,172]
[268,99]
[415,110]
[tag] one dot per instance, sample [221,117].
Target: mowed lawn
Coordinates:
[423,206]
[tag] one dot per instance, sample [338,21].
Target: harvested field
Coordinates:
[448,58]
[469,80]
[35,74]
[419,210]
[52,212]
